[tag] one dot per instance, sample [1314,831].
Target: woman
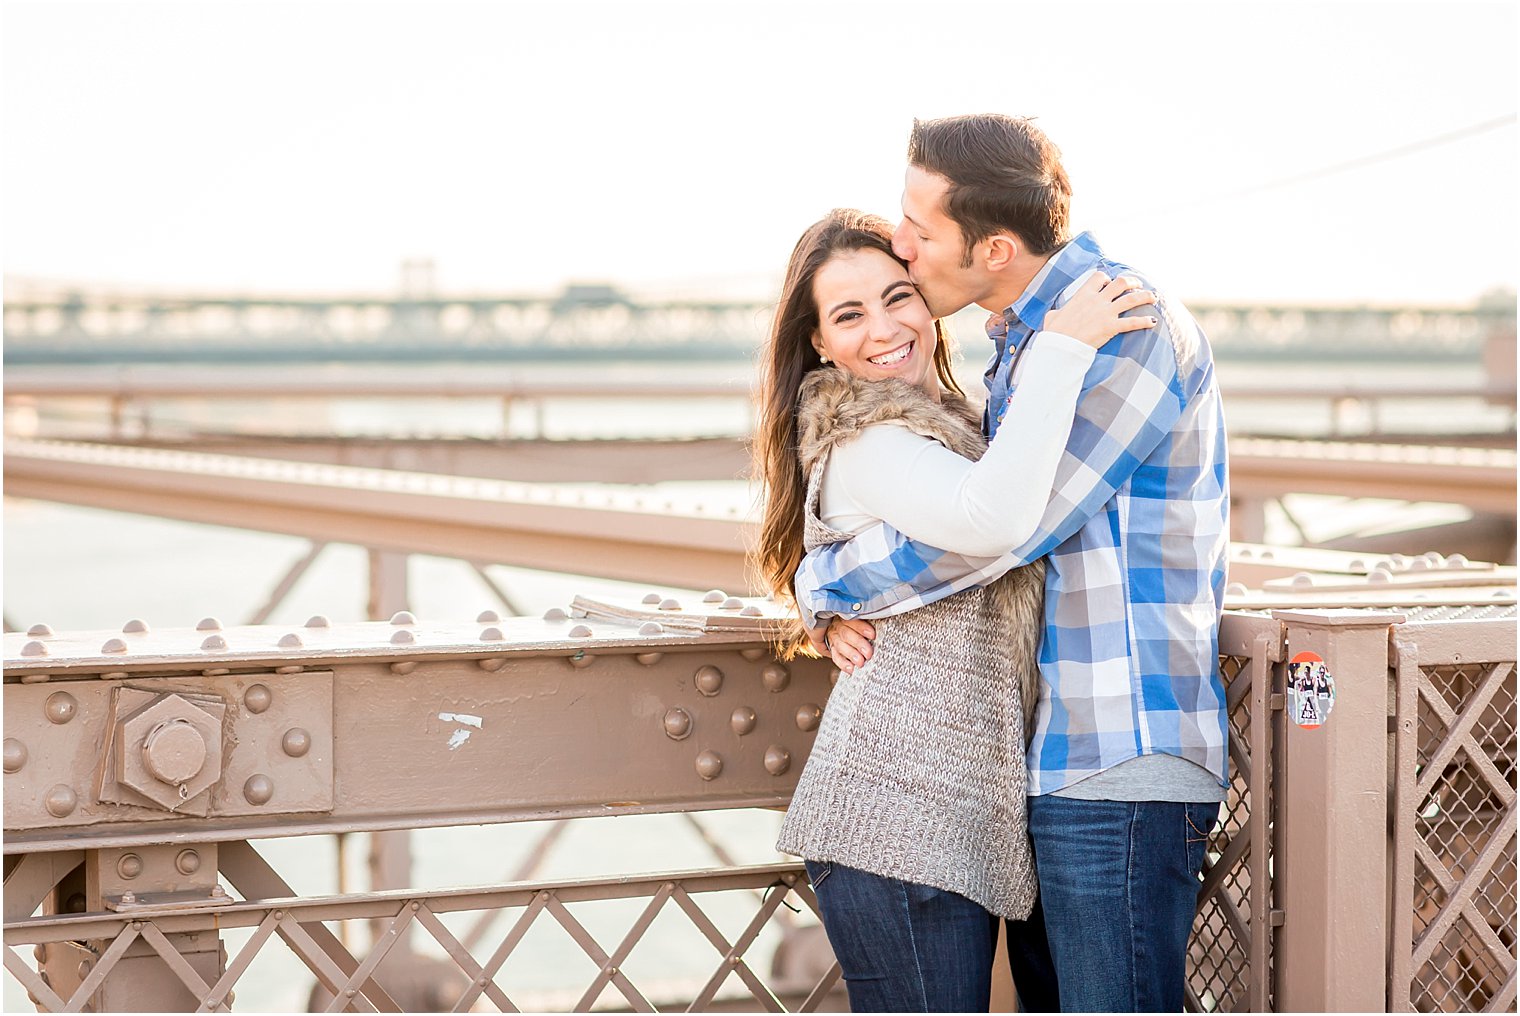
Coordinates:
[910,810]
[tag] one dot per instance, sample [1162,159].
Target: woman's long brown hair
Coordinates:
[785,360]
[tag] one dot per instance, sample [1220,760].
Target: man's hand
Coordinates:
[846,641]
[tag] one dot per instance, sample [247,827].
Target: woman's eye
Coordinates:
[849,315]
[899,296]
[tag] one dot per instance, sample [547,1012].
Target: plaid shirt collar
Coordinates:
[1025,315]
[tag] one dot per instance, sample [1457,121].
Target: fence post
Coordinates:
[1331,953]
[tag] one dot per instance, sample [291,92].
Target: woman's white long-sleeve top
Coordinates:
[927,492]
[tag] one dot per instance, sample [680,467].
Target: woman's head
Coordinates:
[846,297]
[848,300]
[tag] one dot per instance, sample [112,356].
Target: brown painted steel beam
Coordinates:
[611,536]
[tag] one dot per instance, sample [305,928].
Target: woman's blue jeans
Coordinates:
[905,947]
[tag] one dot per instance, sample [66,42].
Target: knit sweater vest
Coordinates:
[917,772]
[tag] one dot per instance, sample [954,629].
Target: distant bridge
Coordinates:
[586,322]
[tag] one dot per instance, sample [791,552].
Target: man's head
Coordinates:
[985,204]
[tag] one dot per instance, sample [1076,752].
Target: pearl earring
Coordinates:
[822,358]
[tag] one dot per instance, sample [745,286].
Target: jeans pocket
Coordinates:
[817,871]
[1198,826]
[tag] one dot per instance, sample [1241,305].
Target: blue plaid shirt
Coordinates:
[1135,532]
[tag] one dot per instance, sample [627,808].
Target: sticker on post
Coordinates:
[1311,689]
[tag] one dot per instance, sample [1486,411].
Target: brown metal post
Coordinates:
[1330,877]
[387,584]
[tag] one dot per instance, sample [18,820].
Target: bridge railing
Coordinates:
[1363,863]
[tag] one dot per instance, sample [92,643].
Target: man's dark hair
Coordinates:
[1004,173]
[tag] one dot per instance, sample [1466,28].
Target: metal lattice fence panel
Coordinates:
[1229,957]
[1454,822]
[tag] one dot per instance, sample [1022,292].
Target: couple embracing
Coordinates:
[1031,727]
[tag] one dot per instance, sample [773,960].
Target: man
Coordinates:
[1127,764]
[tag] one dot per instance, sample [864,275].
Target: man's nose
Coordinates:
[901,244]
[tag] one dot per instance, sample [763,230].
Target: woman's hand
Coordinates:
[848,643]
[1092,316]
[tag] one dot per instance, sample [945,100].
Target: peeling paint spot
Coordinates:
[460,736]
[465,718]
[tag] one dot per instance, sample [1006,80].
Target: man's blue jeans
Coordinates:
[905,947]
[1118,890]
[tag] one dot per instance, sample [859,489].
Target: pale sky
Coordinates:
[682,147]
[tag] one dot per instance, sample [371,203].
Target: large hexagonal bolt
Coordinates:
[169,752]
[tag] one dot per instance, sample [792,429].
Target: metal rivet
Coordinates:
[217,890]
[677,724]
[403,638]
[709,765]
[350,992]
[258,698]
[1302,580]
[742,721]
[290,641]
[649,659]
[808,716]
[291,669]
[404,668]
[416,905]
[492,635]
[556,614]
[15,755]
[732,603]
[76,904]
[1378,577]
[318,621]
[61,800]
[714,596]
[1455,561]
[754,654]
[612,971]
[208,624]
[130,897]
[651,628]
[491,664]
[1357,564]
[40,631]
[279,915]
[708,679]
[296,742]
[580,661]
[403,617]
[114,646]
[60,707]
[487,617]
[136,626]
[651,598]
[733,961]
[215,642]
[1397,560]
[482,981]
[777,760]
[259,789]
[129,866]
[39,953]
[215,671]
[34,648]
[580,631]
[789,879]
[670,604]
[775,677]
[110,675]
[1419,564]
[188,862]
[1243,552]
[1236,589]
[1266,555]
[751,611]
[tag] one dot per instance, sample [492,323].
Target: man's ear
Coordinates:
[1002,251]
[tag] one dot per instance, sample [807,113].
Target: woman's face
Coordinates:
[872,322]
